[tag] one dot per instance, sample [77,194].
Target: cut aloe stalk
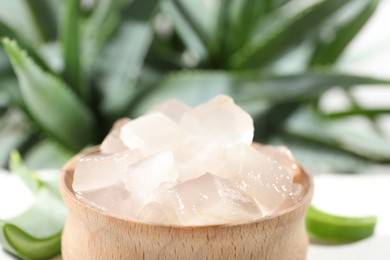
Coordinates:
[324,227]
[35,233]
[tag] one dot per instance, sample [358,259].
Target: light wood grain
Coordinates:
[93,234]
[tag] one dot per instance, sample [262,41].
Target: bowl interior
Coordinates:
[68,173]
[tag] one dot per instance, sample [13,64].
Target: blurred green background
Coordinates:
[69,69]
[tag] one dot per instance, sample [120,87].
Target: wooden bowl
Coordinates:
[93,234]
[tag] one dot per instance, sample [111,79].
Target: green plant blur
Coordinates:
[69,69]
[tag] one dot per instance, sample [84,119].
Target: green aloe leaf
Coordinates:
[99,27]
[201,19]
[14,132]
[6,31]
[71,44]
[47,154]
[34,180]
[327,52]
[355,111]
[194,42]
[24,245]
[17,17]
[36,233]
[248,88]
[280,39]
[51,103]
[325,227]
[123,59]
[191,87]
[44,18]
[237,21]
[10,92]
[343,134]
[270,5]
[29,177]
[202,14]
[325,158]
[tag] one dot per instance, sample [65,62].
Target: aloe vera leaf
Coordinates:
[370,112]
[324,159]
[192,88]
[368,143]
[10,92]
[237,21]
[47,154]
[51,103]
[273,4]
[324,227]
[30,178]
[100,18]
[6,31]
[249,87]
[102,23]
[16,16]
[35,234]
[123,59]
[201,18]
[45,218]
[71,44]
[24,245]
[34,180]
[269,47]
[327,52]
[192,40]
[13,133]
[44,18]
[5,66]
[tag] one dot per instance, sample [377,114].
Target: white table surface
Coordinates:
[348,194]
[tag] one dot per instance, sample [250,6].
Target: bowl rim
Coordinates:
[66,191]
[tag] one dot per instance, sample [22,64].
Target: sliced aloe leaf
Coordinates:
[324,227]
[283,37]
[51,103]
[327,52]
[343,134]
[24,245]
[123,59]
[36,233]
[71,44]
